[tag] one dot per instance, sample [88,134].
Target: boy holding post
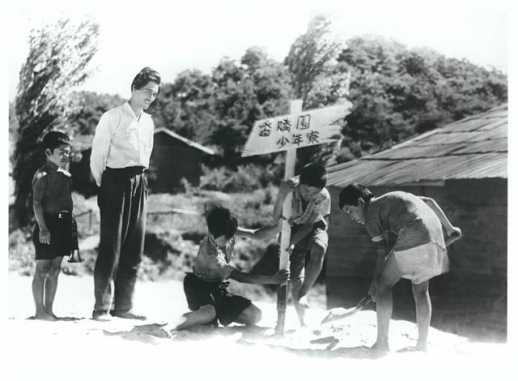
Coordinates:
[55,232]
[206,287]
[310,208]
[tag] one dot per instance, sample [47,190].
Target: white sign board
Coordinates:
[298,130]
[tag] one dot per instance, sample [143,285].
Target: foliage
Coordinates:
[311,56]
[246,178]
[397,92]
[88,108]
[219,110]
[58,56]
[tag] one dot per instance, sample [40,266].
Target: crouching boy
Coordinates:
[206,287]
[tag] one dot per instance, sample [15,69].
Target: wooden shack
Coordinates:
[175,157]
[463,166]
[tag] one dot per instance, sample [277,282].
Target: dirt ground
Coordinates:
[78,348]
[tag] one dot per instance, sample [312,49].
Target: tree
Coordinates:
[311,56]
[88,109]
[312,65]
[57,62]
[397,92]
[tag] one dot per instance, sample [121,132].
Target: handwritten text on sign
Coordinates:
[296,131]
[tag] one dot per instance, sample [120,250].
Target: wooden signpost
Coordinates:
[287,133]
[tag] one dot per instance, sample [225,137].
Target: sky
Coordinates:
[172,36]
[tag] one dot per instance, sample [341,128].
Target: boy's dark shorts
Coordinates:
[200,293]
[302,250]
[63,236]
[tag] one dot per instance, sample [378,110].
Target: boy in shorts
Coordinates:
[55,232]
[206,287]
[310,208]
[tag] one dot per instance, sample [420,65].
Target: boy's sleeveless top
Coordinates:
[405,215]
[212,264]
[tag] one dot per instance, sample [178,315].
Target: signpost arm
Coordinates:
[284,260]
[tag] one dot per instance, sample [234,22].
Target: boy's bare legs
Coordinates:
[313,269]
[295,285]
[384,283]
[203,315]
[38,288]
[51,285]
[423,313]
[250,316]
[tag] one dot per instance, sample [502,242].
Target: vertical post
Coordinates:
[284,260]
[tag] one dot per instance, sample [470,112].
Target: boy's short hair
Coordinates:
[221,222]
[145,76]
[351,193]
[54,139]
[314,175]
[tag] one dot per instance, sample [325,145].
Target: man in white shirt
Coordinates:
[121,150]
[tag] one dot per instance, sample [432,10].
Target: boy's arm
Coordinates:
[281,276]
[381,251]
[262,233]
[304,230]
[38,210]
[285,188]
[454,233]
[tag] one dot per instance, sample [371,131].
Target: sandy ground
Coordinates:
[78,348]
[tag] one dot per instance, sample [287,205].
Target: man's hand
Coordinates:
[45,236]
[280,277]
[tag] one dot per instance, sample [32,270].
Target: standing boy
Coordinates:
[55,231]
[121,150]
[310,207]
[206,287]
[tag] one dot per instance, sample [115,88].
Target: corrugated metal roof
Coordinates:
[472,148]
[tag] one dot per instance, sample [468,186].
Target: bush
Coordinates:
[247,178]
[21,252]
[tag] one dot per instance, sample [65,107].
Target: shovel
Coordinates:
[341,313]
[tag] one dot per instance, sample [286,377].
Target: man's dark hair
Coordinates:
[145,76]
[313,175]
[351,193]
[53,139]
[221,222]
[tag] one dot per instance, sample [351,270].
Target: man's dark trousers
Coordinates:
[122,202]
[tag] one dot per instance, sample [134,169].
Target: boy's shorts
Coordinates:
[302,249]
[63,236]
[200,293]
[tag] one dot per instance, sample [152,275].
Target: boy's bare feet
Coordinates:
[380,347]
[303,302]
[413,349]
[45,316]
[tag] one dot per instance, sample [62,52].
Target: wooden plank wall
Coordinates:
[170,161]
